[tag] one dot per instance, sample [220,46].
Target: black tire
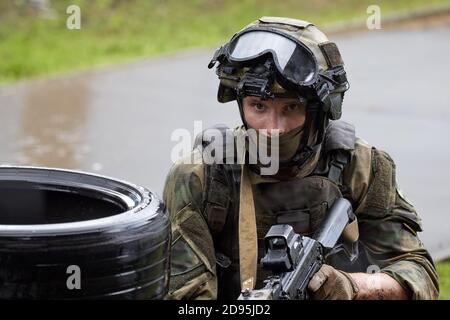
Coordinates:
[118,234]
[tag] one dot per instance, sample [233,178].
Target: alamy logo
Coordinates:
[74,20]
[374,20]
[374,282]
[74,280]
[261,146]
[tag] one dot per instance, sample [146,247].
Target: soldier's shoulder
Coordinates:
[370,169]
[362,151]
[367,155]
[357,175]
[189,165]
[184,182]
[360,161]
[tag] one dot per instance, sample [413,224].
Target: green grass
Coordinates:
[114,31]
[443,269]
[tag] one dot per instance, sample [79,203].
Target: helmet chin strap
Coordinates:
[239,99]
[314,118]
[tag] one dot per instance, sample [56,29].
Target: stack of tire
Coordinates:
[72,235]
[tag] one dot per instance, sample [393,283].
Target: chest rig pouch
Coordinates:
[300,202]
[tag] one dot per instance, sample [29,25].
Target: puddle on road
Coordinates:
[51,124]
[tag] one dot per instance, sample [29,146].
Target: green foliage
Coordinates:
[443,269]
[119,30]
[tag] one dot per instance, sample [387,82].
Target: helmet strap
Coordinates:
[239,99]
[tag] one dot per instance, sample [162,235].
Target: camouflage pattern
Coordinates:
[388,226]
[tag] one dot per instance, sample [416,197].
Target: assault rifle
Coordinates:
[294,259]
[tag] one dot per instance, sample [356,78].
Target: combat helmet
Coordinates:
[273,56]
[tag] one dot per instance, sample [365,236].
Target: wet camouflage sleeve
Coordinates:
[389,224]
[193,274]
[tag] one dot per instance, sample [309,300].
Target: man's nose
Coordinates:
[276,123]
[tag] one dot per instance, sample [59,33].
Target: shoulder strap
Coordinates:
[216,198]
[219,182]
[338,161]
[339,142]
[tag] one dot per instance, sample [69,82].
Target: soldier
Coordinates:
[286,75]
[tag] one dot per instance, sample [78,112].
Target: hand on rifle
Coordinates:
[332,284]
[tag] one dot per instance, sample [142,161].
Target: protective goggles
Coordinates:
[293,60]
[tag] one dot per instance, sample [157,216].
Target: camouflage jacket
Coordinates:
[388,227]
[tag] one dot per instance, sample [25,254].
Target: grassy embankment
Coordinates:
[115,31]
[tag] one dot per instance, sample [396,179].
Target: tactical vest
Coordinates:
[300,202]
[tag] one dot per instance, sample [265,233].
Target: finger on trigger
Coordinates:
[317,281]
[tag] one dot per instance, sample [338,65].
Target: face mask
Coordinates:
[287,143]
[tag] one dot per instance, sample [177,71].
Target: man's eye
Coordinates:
[258,107]
[293,107]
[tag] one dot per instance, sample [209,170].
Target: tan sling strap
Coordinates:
[248,241]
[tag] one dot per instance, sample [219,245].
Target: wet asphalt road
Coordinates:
[118,121]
